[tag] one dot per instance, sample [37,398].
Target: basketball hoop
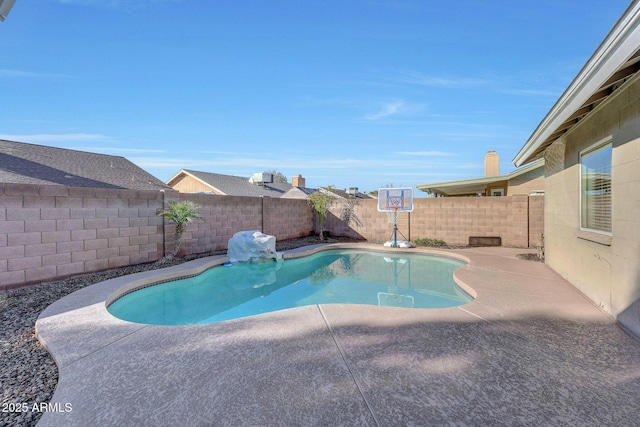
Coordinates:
[391,201]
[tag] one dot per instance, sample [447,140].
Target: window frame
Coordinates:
[608,141]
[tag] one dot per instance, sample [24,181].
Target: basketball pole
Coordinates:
[395,229]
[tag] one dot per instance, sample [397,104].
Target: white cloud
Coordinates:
[366,172]
[92,3]
[424,153]
[533,92]
[418,78]
[238,163]
[64,137]
[469,166]
[8,73]
[119,150]
[389,109]
[114,3]
[420,174]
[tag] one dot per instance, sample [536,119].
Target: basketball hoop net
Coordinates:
[392,216]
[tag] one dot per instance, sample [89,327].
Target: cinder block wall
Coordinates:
[223,216]
[287,218]
[515,219]
[50,231]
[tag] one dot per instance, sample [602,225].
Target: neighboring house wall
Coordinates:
[607,272]
[190,185]
[518,220]
[502,185]
[49,232]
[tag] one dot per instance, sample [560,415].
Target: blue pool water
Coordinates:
[335,276]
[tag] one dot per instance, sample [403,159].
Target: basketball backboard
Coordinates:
[398,199]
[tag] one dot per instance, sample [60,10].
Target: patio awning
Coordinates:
[475,185]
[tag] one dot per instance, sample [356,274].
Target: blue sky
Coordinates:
[346,93]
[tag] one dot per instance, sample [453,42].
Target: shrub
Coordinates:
[430,242]
[181,213]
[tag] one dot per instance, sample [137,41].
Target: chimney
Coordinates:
[298,181]
[491,164]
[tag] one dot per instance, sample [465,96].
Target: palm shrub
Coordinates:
[321,203]
[180,213]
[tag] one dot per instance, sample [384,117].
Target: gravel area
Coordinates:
[530,257]
[28,374]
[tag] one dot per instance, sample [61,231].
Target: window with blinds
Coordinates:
[595,188]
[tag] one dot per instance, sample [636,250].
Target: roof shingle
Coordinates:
[239,186]
[25,163]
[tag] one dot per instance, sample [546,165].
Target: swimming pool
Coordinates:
[347,276]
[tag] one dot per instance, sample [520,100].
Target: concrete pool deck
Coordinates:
[529,350]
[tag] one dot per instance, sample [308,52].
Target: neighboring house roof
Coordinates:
[231,185]
[476,185]
[616,60]
[304,192]
[298,193]
[24,163]
[344,194]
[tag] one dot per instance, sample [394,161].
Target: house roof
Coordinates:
[233,185]
[5,8]
[343,194]
[614,63]
[476,185]
[299,193]
[24,163]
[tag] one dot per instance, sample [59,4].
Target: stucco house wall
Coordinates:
[607,270]
[524,185]
[497,186]
[189,184]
